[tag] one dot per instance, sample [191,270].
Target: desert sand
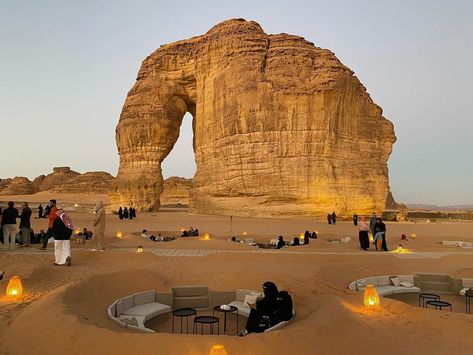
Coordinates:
[63,310]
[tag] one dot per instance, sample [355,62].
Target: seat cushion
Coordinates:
[467,283]
[408,278]
[124,304]
[384,281]
[402,289]
[148,310]
[241,293]
[385,290]
[144,297]
[241,310]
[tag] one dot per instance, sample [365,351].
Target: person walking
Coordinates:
[62,230]
[25,224]
[329,218]
[9,216]
[334,217]
[52,216]
[355,219]
[99,226]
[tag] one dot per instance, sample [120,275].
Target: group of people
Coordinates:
[275,307]
[332,218]
[377,228]
[60,227]
[296,240]
[126,213]
[191,232]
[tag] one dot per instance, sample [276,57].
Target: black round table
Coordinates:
[181,313]
[467,303]
[438,304]
[202,320]
[429,297]
[225,311]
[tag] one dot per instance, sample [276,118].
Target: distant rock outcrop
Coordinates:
[19,186]
[281,127]
[176,191]
[90,182]
[57,178]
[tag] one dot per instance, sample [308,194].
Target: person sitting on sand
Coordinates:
[260,313]
[281,242]
[313,235]
[284,309]
[295,242]
[306,237]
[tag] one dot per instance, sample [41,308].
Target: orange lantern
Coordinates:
[139,249]
[413,236]
[218,350]
[14,288]
[183,229]
[371,238]
[119,234]
[206,236]
[371,298]
[245,234]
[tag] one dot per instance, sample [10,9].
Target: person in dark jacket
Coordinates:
[62,229]
[120,213]
[9,216]
[260,313]
[125,213]
[306,237]
[329,218]
[355,219]
[281,242]
[380,235]
[334,217]
[40,211]
[25,224]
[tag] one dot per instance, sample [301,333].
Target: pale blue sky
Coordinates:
[66,67]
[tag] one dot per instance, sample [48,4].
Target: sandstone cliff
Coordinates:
[18,186]
[58,177]
[176,191]
[281,127]
[90,182]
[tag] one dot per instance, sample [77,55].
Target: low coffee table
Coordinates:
[438,304]
[181,313]
[225,311]
[429,297]
[202,320]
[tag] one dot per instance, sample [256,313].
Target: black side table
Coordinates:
[225,311]
[438,304]
[467,303]
[429,297]
[202,320]
[181,313]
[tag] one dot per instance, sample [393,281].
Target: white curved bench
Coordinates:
[134,310]
[384,285]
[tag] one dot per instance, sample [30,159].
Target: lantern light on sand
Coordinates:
[217,350]
[245,234]
[206,236]
[139,249]
[301,236]
[371,238]
[76,205]
[399,248]
[371,298]
[413,236]
[119,234]
[14,288]
[183,229]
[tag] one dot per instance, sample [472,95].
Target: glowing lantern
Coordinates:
[183,229]
[14,288]
[371,298]
[245,234]
[301,237]
[413,236]
[206,236]
[218,350]
[76,205]
[119,234]
[371,238]
[76,231]
[139,249]
[399,248]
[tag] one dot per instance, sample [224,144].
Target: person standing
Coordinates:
[329,218]
[355,219]
[99,226]
[52,216]
[120,213]
[372,223]
[9,216]
[363,235]
[40,211]
[334,217]
[25,224]
[380,235]
[125,213]
[62,230]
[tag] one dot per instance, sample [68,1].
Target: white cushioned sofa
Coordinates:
[134,310]
[385,286]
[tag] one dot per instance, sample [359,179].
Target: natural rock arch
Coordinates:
[279,125]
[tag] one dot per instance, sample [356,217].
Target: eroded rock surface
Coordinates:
[91,182]
[18,186]
[281,127]
[176,191]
